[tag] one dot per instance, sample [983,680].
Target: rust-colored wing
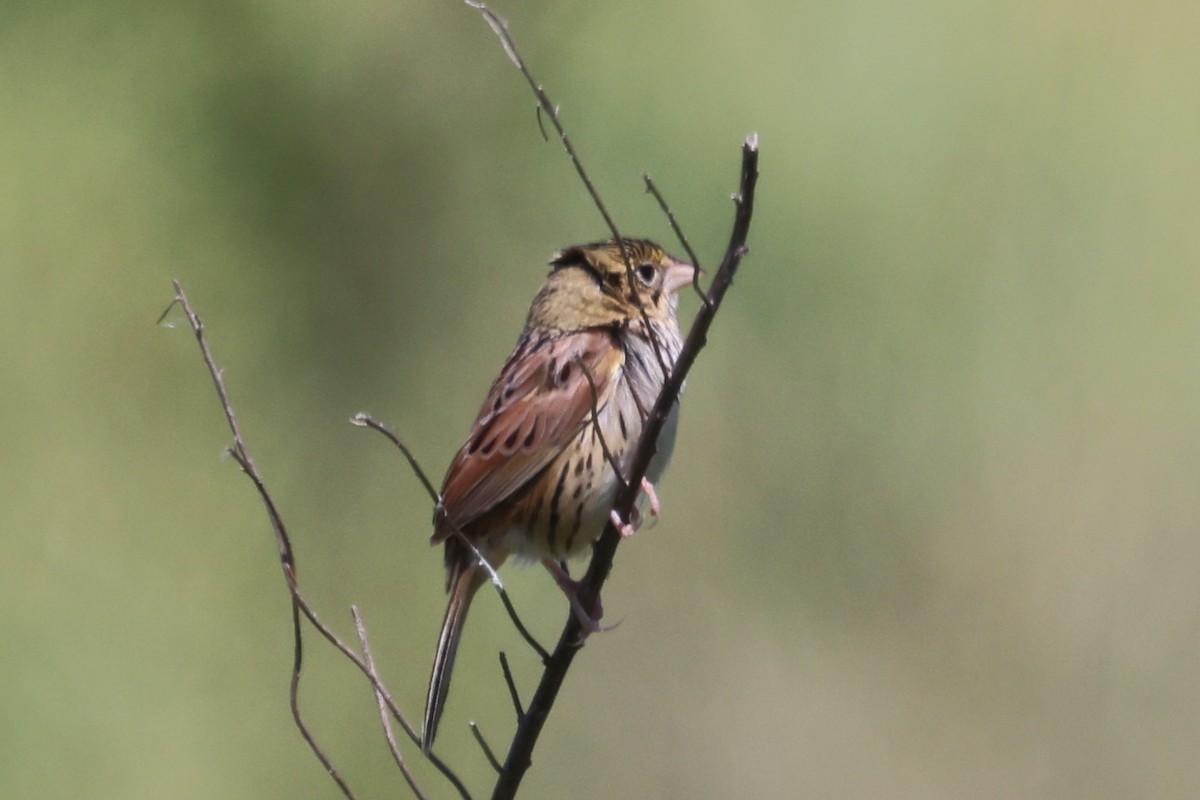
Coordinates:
[536,406]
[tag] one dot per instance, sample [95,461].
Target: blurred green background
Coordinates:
[933,528]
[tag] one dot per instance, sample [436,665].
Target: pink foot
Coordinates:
[652,496]
[589,623]
[626,529]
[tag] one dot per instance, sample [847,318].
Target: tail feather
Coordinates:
[463,585]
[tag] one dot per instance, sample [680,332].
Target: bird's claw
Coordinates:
[626,529]
[652,496]
[588,623]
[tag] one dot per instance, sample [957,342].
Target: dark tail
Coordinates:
[463,586]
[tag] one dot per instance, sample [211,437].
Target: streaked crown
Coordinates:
[590,285]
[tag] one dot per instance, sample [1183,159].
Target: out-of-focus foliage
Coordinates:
[933,529]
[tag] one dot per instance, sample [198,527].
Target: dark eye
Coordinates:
[646,273]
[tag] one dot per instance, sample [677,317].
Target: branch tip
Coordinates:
[485,747]
[520,752]
[239,452]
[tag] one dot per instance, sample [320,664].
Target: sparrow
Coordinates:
[539,473]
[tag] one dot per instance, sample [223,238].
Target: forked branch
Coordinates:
[531,722]
[300,606]
[556,663]
[521,750]
[546,106]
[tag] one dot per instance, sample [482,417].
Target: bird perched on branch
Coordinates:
[538,475]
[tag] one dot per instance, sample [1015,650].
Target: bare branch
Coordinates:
[500,27]
[512,687]
[541,124]
[363,420]
[367,421]
[608,455]
[300,606]
[521,751]
[241,455]
[384,718]
[484,746]
[532,719]
[294,705]
[683,240]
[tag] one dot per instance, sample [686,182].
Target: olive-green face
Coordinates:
[591,286]
[651,284]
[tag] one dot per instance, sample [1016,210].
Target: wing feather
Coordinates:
[536,407]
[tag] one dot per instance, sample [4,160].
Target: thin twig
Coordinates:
[512,687]
[542,653]
[500,28]
[608,455]
[547,105]
[384,717]
[364,420]
[294,706]
[240,454]
[367,421]
[520,752]
[484,746]
[683,240]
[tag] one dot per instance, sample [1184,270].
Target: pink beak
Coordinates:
[678,275]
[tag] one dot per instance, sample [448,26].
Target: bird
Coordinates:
[538,474]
